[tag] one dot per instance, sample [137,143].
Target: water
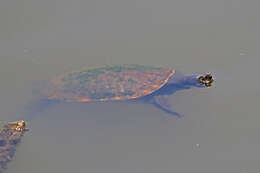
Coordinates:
[220,128]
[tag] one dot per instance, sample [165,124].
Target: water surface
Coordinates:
[220,128]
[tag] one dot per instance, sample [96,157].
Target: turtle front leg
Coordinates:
[162,102]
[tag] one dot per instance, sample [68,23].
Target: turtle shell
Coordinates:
[108,83]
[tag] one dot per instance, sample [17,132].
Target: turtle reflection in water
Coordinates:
[126,82]
[10,136]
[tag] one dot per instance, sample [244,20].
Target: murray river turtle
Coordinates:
[125,82]
[10,136]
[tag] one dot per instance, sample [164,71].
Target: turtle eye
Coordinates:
[21,123]
[201,78]
[208,77]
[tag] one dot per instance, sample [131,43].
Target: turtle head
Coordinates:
[204,80]
[200,81]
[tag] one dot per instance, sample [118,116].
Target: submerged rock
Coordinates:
[10,136]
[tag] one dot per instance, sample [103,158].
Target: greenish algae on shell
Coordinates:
[109,83]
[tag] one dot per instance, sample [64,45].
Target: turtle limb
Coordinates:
[162,102]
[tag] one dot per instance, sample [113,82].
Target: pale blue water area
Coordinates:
[220,129]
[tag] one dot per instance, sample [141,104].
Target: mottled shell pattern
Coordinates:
[108,83]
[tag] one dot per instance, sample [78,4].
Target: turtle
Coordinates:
[132,82]
[10,135]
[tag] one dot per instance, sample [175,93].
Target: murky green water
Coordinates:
[220,129]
